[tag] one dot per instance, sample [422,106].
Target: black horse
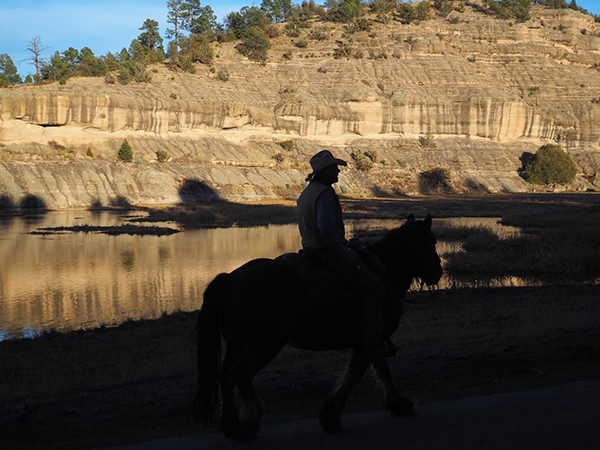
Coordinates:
[261,306]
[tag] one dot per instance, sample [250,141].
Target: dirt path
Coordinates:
[556,418]
[133,383]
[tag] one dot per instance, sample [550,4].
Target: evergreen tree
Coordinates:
[123,55]
[246,18]
[137,51]
[125,152]
[8,70]
[255,44]
[151,41]
[198,19]
[277,10]
[55,69]
[174,17]
[71,58]
[111,62]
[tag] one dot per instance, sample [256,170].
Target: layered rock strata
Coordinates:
[485,90]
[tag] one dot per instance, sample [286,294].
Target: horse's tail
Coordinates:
[208,340]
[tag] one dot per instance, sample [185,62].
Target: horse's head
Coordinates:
[421,248]
[409,251]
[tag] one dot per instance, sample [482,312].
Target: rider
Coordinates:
[322,229]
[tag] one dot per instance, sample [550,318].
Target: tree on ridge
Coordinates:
[36,48]
[8,71]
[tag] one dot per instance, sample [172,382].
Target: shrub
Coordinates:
[89,152]
[550,165]
[301,43]
[278,157]
[161,155]
[255,44]
[436,178]
[173,96]
[318,34]
[287,145]
[426,140]
[125,152]
[361,161]
[372,155]
[109,78]
[124,75]
[287,55]
[343,50]
[223,74]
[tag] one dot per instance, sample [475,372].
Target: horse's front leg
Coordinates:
[395,403]
[329,417]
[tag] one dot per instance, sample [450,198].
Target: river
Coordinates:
[84,280]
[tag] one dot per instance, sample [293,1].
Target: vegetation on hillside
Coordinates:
[550,165]
[193,30]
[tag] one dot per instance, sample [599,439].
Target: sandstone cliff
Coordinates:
[483,90]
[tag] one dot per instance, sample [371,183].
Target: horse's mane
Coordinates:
[393,237]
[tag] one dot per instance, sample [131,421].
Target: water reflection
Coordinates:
[74,281]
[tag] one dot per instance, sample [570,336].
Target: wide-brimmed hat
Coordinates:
[324,159]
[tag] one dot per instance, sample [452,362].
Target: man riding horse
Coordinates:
[323,235]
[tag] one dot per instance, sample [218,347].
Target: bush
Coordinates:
[255,44]
[361,161]
[124,75]
[287,145]
[426,140]
[436,178]
[125,152]
[223,74]
[301,43]
[89,152]
[318,34]
[550,165]
[278,157]
[161,155]
[173,96]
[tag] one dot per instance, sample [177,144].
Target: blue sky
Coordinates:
[103,26]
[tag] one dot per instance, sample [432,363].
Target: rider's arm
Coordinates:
[326,206]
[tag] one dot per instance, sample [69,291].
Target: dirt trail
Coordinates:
[134,383]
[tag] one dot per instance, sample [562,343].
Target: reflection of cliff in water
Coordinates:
[83,280]
[73,281]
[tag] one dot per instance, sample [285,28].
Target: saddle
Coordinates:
[324,285]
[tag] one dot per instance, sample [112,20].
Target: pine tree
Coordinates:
[125,153]
[151,41]
[277,10]
[174,17]
[198,19]
[8,70]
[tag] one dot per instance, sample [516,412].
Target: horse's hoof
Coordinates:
[332,427]
[330,420]
[233,430]
[401,407]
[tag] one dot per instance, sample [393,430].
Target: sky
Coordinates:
[104,26]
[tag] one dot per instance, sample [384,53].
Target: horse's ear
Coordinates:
[428,221]
[410,218]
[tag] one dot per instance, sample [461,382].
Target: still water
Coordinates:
[78,280]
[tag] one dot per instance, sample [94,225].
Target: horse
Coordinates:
[261,307]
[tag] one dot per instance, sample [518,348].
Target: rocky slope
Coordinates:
[483,91]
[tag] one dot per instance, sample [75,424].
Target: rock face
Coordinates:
[479,93]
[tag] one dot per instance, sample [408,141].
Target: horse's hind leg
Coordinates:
[395,403]
[255,358]
[230,422]
[329,417]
